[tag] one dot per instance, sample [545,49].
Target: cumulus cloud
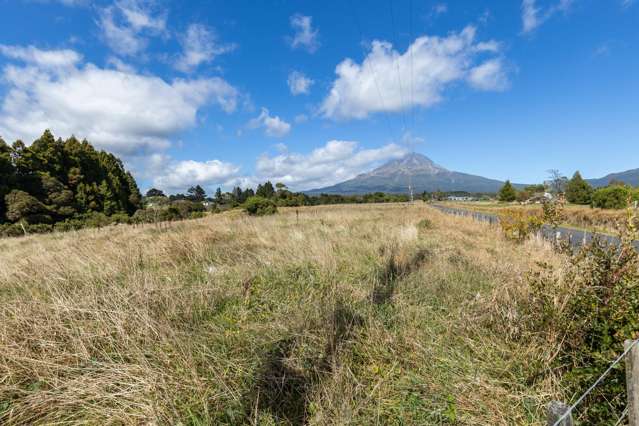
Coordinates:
[334,162]
[305,36]
[533,16]
[180,175]
[273,125]
[299,84]
[199,45]
[118,110]
[127,23]
[428,66]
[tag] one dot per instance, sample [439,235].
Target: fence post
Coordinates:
[632,382]
[556,409]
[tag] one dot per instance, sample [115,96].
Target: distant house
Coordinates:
[539,198]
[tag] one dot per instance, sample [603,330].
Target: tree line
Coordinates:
[55,181]
[616,195]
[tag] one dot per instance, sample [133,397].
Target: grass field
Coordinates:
[577,216]
[358,314]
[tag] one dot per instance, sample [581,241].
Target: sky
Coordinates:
[226,93]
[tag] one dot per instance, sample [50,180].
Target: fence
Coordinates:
[560,414]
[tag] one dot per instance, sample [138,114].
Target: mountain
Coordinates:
[630,177]
[394,176]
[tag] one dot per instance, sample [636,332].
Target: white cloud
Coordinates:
[489,76]
[627,3]
[127,23]
[121,111]
[305,36]
[533,16]
[180,175]
[334,162]
[428,66]
[120,65]
[298,83]
[199,45]
[273,125]
[42,58]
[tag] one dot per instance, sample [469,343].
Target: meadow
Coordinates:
[351,314]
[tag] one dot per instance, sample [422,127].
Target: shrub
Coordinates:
[613,197]
[120,218]
[260,206]
[554,212]
[587,313]
[517,225]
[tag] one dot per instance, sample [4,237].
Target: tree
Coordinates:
[557,181]
[196,193]
[266,190]
[6,175]
[22,206]
[578,191]
[507,192]
[153,192]
[218,195]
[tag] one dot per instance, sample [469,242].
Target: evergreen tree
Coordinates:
[196,193]
[507,192]
[6,175]
[266,190]
[578,191]
[218,195]
[155,193]
[56,179]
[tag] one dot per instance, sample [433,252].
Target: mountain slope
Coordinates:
[630,177]
[394,177]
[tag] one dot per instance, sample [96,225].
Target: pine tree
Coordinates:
[507,192]
[578,191]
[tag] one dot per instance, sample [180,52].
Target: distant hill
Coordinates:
[394,176]
[630,177]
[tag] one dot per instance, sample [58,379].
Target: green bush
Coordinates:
[588,313]
[260,206]
[614,197]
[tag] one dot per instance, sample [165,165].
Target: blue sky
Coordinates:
[311,93]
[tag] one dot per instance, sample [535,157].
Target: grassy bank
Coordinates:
[358,314]
[577,216]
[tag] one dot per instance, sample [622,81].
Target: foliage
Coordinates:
[578,191]
[614,197]
[554,212]
[260,206]
[153,192]
[588,312]
[517,225]
[54,180]
[507,192]
[266,190]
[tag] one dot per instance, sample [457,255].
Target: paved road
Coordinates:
[576,237]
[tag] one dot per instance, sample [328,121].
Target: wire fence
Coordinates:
[570,409]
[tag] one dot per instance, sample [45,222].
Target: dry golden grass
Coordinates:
[583,217]
[355,314]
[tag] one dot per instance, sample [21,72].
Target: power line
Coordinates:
[397,66]
[379,92]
